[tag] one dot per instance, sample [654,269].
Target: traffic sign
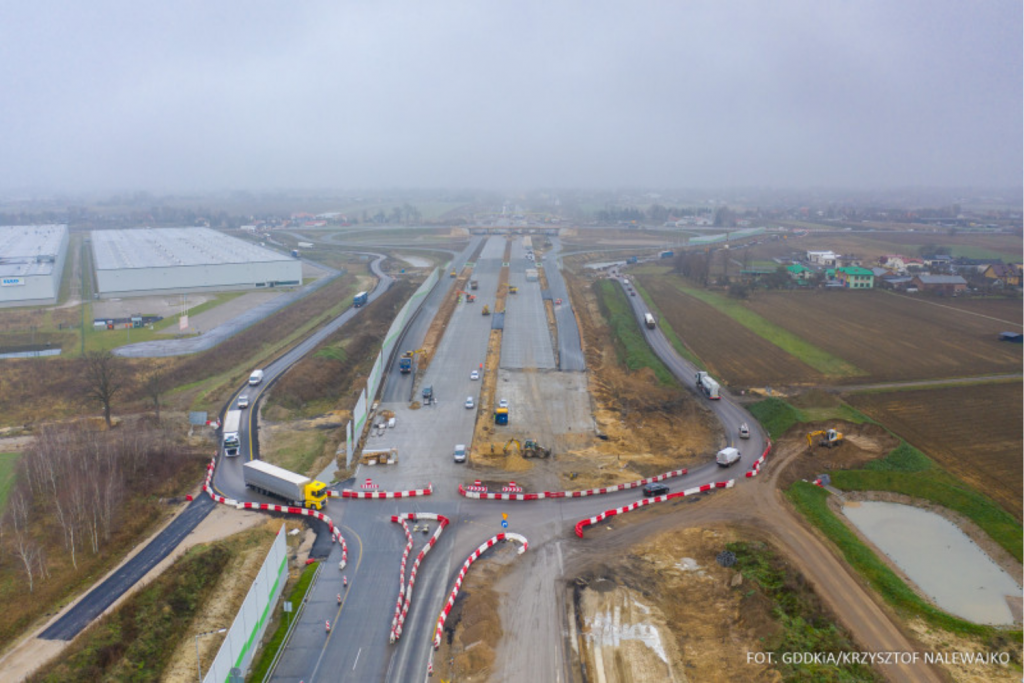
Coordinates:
[504,515]
[504,524]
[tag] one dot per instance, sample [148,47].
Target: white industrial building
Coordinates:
[31,263]
[172,260]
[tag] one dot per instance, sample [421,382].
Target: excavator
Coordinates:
[832,438]
[470,298]
[528,449]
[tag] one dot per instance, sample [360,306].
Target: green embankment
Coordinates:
[667,330]
[811,500]
[804,625]
[817,358]
[630,345]
[296,596]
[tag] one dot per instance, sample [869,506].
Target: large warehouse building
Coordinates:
[173,260]
[31,263]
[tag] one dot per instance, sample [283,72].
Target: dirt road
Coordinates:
[758,503]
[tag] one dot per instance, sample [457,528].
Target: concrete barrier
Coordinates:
[382,495]
[478,492]
[583,523]
[755,469]
[494,540]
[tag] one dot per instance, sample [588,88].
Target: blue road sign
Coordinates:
[504,524]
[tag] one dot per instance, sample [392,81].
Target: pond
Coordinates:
[942,560]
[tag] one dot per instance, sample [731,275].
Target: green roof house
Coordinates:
[853,277]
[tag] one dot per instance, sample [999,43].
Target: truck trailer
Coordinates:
[290,487]
[232,426]
[708,386]
[649,321]
[666,254]
[360,299]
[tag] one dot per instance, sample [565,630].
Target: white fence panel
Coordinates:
[250,623]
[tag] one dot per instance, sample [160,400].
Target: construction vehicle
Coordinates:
[453,274]
[470,298]
[473,284]
[405,362]
[501,416]
[512,289]
[528,448]
[832,438]
[486,311]
[292,488]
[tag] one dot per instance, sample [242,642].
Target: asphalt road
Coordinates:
[570,350]
[228,479]
[358,646]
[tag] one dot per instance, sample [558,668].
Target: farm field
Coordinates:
[892,337]
[731,351]
[1007,310]
[972,431]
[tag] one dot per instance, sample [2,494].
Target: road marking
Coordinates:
[357,659]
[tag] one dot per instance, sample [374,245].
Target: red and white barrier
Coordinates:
[756,467]
[480,493]
[512,488]
[381,495]
[336,536]
[405,596]
[583,523]
[368,485]
[439,629]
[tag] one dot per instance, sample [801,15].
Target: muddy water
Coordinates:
[943,561]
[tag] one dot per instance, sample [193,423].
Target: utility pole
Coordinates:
[199,668]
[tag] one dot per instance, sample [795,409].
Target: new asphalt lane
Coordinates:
[103,595]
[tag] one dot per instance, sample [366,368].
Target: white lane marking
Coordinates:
[357,659]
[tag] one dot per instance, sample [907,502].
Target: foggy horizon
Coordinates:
[258,97]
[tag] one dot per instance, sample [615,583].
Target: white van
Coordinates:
[256,377]
[727,456]
[460,453]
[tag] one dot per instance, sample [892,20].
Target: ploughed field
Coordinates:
[730,350]
[973,431]
[892,337]
[884,337]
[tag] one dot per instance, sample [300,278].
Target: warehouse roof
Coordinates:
[29,249]
[172,247]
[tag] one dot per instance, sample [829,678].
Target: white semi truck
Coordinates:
[649,321]
[708,386]
[290,487]
[232,426]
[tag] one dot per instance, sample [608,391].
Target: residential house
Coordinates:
[899,283]
[855,277]
[1005,273]
[896,263]
[799,273]
[943,261]
[943,285]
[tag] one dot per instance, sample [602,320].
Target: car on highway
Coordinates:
[243,401]
[469,401]
[632,293]
[460,452]
[474,375]
[503,403]
[655,489]
[558,302]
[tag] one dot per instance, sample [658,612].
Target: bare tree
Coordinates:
[22,545]
[105,377]
[154,386]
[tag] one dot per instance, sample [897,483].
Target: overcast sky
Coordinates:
[499,93]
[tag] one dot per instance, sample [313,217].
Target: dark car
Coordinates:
[655,489]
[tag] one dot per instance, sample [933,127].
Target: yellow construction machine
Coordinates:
[486,311]
[831,438]
[528,449]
